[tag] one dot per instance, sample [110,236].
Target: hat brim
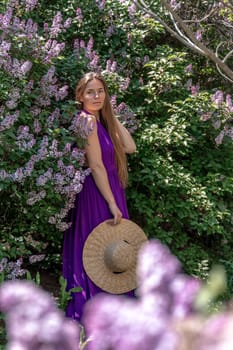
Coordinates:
[94,249]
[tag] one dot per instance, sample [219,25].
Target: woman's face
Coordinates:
[93,97]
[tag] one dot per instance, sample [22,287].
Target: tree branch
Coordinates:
[185,35]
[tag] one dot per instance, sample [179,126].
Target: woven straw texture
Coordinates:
[110,255]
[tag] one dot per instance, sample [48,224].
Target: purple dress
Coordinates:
[90,210]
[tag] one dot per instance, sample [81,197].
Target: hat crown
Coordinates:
[119,256]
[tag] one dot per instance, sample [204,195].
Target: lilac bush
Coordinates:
[42,138]
[44,48]
[33,320]
[30,113]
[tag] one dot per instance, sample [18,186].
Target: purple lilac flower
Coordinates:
[36,258]
[155,256]
[229,133]
[217,98]
[132,10]
[164,296]
[28,168]
[205,116]
[36,126]
[195,89]
[62,93]
[113,100]
[198,35]
[26,67]
[35,110]
[53,150]
[146,59]
[217,123]
[52,49]
[53,117]
[175,5]
[113,67]
[46,27]
[34,197]
[67,23]
[5,48]
[220,137]
[57,26]
[30,4]
[82,125]
[100,4]
[119,324]
[189,68]
[12,269]
[13,3]
[8,121]
[42,325]
[78,155]
[110,31]
[45,177]
[11,104]
[18,175]
[79,15]
[88,50]
[76,46]
[93,65]
[216,333]
[6,19]
[24,139]
[82,44]
[3,174]
[127,117]
[229,103]
[124,85]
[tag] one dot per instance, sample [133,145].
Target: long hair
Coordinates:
[108,119]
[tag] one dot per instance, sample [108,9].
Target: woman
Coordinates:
[103,194]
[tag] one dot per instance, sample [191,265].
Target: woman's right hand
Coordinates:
[117,214]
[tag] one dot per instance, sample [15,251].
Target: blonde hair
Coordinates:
[108,119]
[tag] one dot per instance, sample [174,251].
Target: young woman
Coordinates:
[103,194]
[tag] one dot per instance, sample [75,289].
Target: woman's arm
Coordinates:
[126,139]
[94,159]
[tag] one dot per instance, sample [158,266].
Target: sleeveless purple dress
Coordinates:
[90,210]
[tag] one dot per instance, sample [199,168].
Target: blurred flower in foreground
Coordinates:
[33,320]
[170,312]
[146,322]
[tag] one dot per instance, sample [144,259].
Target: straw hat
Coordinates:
[110,255]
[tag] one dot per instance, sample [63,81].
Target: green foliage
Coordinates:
[65,295]
[180,187]
[181,183]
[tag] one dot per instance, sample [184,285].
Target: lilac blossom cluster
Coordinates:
[82,125]
[222,106]
[11,270]
[85,50]
[33,320]
[162,316]
[164,295]
[126,116]
[29,110]
[220,112]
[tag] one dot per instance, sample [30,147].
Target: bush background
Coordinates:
[180,179]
